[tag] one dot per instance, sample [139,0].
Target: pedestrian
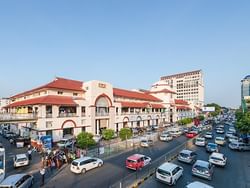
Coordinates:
[82,155]
[42,172]
[30,154]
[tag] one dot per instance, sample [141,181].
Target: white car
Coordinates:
[66,141]
[233,139]
[166,137]
[200,141]
[197,184]
[218,159]
[20,160]
[169,173]
[220,141]
[220,131]
[146,143]
[18,181]
[82,165]
[209,135]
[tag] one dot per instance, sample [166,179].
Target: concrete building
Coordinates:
[188,86]
[4,102]
[245,93]
[66,106]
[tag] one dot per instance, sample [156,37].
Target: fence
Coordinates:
[110,149]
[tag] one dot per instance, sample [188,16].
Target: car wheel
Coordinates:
[100,164]
[83,171]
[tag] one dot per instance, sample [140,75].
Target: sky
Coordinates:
[129,43]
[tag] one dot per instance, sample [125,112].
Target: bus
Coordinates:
[2,164]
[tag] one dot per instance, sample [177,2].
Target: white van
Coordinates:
[169,173]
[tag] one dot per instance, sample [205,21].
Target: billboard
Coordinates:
[208,109]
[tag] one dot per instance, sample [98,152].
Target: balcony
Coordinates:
[67,115]
[101,114]
[16,117]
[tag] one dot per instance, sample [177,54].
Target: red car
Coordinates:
[191,134]
[137,161]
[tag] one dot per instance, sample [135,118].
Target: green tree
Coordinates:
[201,117]
[125,133]
[108,134]
[185,121]
[243,123]
[85,140]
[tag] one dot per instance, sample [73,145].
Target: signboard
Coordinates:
[47,141]
[208,109]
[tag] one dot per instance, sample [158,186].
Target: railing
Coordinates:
[98,114]
[11,116]
[67,115]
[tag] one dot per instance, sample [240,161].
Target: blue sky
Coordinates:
[129,43]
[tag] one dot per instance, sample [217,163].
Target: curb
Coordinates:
[55,174]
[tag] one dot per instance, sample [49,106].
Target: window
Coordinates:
[75,94]
[59,92]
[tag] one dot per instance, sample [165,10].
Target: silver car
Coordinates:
[18,181]
[187,156]
[203,169]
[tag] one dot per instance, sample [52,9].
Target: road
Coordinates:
[113,169]
[235,174]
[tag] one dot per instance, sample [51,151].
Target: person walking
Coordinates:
[42,172]
[30,154]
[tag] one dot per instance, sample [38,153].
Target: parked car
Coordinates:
[232,129]
[233,139]
[20,160]
[217,159]
[203,169]
[200,141]
[229,134]
[84,164]
[146,143]
[240,146]
[187,156]
[197,184]
[66,141]
[18,181]
[166,137]
[220,141]
[212,147]
[137,161]
[169,173]
[209,135]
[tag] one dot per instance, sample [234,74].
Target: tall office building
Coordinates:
[245,92]
[188,86]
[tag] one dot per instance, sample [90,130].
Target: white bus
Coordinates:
[2,164]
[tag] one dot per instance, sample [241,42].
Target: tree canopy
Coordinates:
[85,140]
[243,122]
[108,134]
[125,133]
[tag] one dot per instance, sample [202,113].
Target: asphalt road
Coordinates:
[235,174]
[113,170]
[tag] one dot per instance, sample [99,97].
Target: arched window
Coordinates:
[102,106]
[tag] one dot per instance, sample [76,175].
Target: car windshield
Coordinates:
[163,172]
[184,155]
[212,145]
[199,139]
[74,163]
[62,141]
[131,161]
[200,168]
[21,160]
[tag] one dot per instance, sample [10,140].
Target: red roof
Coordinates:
[134,104]
[179,101]
[140,105]
[50,99]
[183,108]
[58,83]
[157,106]
[163,91]
[134,95]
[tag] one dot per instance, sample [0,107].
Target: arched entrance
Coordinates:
[138,121]
[68,127]
[125,122]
